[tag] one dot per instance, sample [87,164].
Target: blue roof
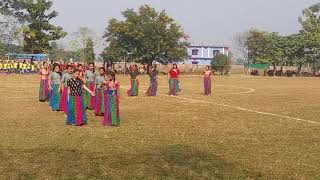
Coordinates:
[37,57]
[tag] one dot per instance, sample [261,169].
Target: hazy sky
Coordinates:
[208,21]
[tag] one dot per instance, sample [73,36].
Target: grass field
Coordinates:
[252,128]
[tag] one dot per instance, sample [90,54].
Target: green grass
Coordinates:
[165,137]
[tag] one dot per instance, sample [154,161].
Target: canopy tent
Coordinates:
[256,66]
[35,57]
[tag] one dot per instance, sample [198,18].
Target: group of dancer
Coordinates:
[17,67]
[174,82]
[75,90]
[173,74]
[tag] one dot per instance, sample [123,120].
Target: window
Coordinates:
[215,52]
[195,51]
[194,62]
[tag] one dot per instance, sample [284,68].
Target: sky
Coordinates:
[210,22]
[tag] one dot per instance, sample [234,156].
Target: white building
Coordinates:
[203,55]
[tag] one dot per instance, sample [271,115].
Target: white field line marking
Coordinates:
[242,109]
[248,110]
[249,90]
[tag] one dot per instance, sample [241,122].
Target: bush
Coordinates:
[221,63]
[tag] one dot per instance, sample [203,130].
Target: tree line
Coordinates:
[144,36]
[298,49]
[147,36]
[26,28]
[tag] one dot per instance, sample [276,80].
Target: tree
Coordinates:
[15,8]
[240,40]
[310,22]
[5,49]
[266,47]
[113,52]
[257,46]
[74,55]
[221,63]
[56,52]
[80,40]
[9,36]
[90,56]
[275,46]
[147,36]
[38,32]
[8,33]
[295,50]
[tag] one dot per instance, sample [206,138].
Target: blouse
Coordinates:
[65,77]
[152,74]
[113,85]
[75,86]
[55,78]
[89,76]
[174,73]
[134,74]
[44,73]
[207,73]
[98,81]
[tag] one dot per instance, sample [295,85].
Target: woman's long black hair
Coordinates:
[174,66]
[54,67]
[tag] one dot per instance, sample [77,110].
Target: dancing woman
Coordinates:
[207,75]
[44,86]
[99,98]
[64,80]
[111,101]
[89,79]
[153,84]
[76,108]
[55,88]
[174,84]
[134,90]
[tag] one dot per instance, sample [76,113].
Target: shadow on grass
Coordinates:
[181,162]
[173,162]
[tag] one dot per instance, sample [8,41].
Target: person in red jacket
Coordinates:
[174,84]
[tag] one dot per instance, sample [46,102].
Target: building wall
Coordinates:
[204,54]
